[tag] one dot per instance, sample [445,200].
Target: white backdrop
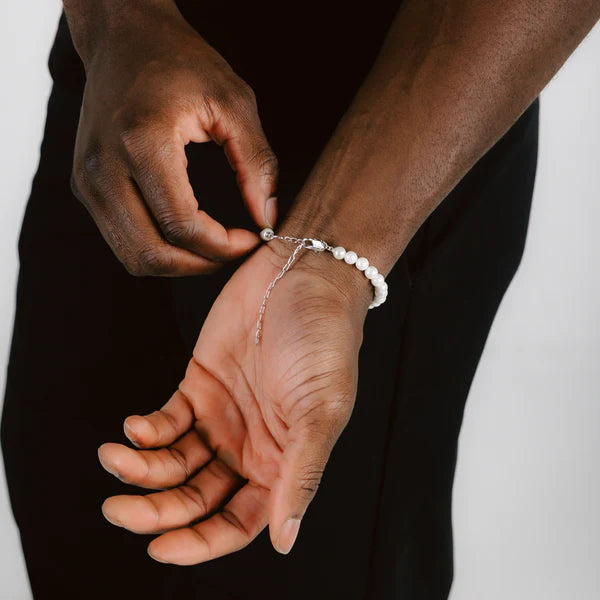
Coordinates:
[527,492]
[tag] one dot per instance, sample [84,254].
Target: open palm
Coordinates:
[244,440]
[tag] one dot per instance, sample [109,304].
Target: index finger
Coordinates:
[159,167]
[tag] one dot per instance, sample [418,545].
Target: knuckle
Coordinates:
[145,146]
[133,138]
[236,101]
[136,134]
[266,162]
[176,231]
[153,261]
[116,240]
[92,160]
[87,168]
[133,268]
[309,480]
[237,93]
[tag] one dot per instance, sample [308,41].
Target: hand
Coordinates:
[244,440]
[154,85]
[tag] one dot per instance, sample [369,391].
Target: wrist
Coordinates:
[350,285]
[346,219]
[96,26]
[335,231]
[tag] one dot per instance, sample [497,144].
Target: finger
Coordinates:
[124,221]
[228,530]
[162,427]
[156,469]
[254,162]
[301,469]
[159,169]
[215,416]
[177,507]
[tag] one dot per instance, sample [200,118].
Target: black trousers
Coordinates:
[93,344]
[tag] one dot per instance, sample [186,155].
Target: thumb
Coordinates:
[300,473]
[256,168]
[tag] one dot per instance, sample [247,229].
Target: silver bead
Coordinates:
[362,263]
[351,257]
[370,272]
[339,252]
[267,234]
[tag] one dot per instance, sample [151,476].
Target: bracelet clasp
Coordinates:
[314,244]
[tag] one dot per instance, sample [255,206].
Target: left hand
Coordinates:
[244,440]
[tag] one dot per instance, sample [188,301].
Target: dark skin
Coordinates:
[154,85]
[450,79]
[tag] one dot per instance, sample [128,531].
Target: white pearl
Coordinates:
[378,279]
[370,272]
[339,252]
[267,234]
[351,257]
[362,263]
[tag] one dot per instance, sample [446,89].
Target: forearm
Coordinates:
[450,79]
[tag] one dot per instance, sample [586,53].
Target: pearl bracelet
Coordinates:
[350,257]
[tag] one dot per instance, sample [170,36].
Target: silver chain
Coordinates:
[301,243]
[284,270]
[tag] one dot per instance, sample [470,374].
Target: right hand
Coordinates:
[154,85]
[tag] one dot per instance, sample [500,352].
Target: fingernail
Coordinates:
[160,560]
[288,535]
[112,470]
[109,517]
[107,467]
[271,211]
[130,433]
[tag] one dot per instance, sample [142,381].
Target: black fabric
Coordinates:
[92,344]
